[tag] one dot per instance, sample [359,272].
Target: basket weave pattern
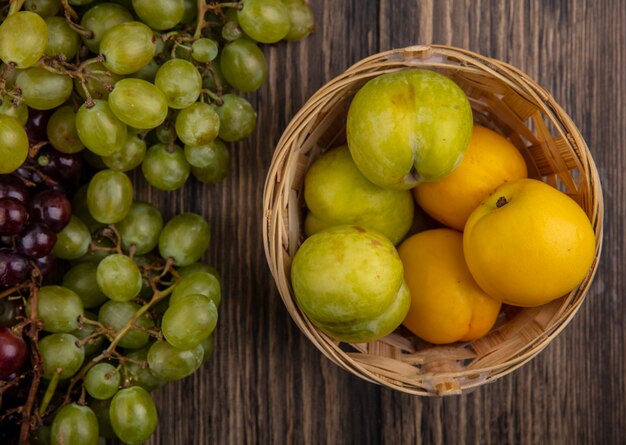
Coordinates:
[503,99]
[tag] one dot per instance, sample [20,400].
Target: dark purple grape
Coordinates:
[12,187]
[36,125]
[10,311]
[37,241]
[13,353]
[14,267]
[46,263]
[13,216]
[64,167]
[51,208]
[6,240]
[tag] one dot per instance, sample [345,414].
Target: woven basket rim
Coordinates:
[274,198]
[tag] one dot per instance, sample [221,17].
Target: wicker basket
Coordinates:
[504,99]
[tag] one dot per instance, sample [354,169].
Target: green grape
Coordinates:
[160,14]
[166,132]
[40,436]
[133,415]
[117,314]
[243,65]
[60,351]
[198,283]
[73,241]
[43,90]
[59,308]
[237,118]
[80,2]
[207,348]
[99,19]
[74,425]
[13,144]
[81,210]
[148,72]
[141,228]
[231,31]
[189,321]
[118,277]
[266,21]
[94,344]
[127,47]
[180,81]
[82,280]
[96,86]
[61,38]
[184,238]
[44,8]
[190,13]
[204,50]
[101,410]
[139,373]
[199,267]
[197,124]
[138,103]
[165,167]
[301,20]
[11,109]
[102,381]
[61,130]
[99,129]
[23,39]
[215,161]
[109,196]
[130,155]
[169,363]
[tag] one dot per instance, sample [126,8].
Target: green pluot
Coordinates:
[408,127]
[337,193]
[349,281]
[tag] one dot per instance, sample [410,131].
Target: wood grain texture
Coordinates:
[266,384]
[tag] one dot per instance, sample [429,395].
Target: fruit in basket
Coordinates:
[336,193]
[408,127]
[349,282]
[446,303]
[490,160]
[528,243]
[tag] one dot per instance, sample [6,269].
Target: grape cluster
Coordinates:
[135,310]
[141,83]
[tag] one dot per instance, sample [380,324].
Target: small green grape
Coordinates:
[11,109]
[231,31]
[59,308]
[13,144]
[73,425]
[23,39]
[82,280]
[140,228]
[99,129]
[62,40]
[99,19]
[163,14]
[197,124]
[73,241]
[61,131]
[212,161]
[133,415]
[180,81]
[204,50]
[44,8]
[237,118]
[43,90]
[243,65]
[169,363]
[127,47]
[266,21]
[117,314]
[130,155]
[81,210]
[138,103]
[102,381]
[109,196]
[60,351]
[139,372]
[301,20]
[189,321]
[185,238]
[119,277]
[198,283]
[165,167]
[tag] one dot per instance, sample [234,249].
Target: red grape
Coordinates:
[12,216]
[13,353]
[37,241]
[14,267]
[51,208]
[65,167]
[12,187]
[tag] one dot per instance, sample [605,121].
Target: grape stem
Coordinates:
[33,334]
[70,16]
[204,7]
[52,386]
[217,99]
[16,5]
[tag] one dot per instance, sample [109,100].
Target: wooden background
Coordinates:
[266,384]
